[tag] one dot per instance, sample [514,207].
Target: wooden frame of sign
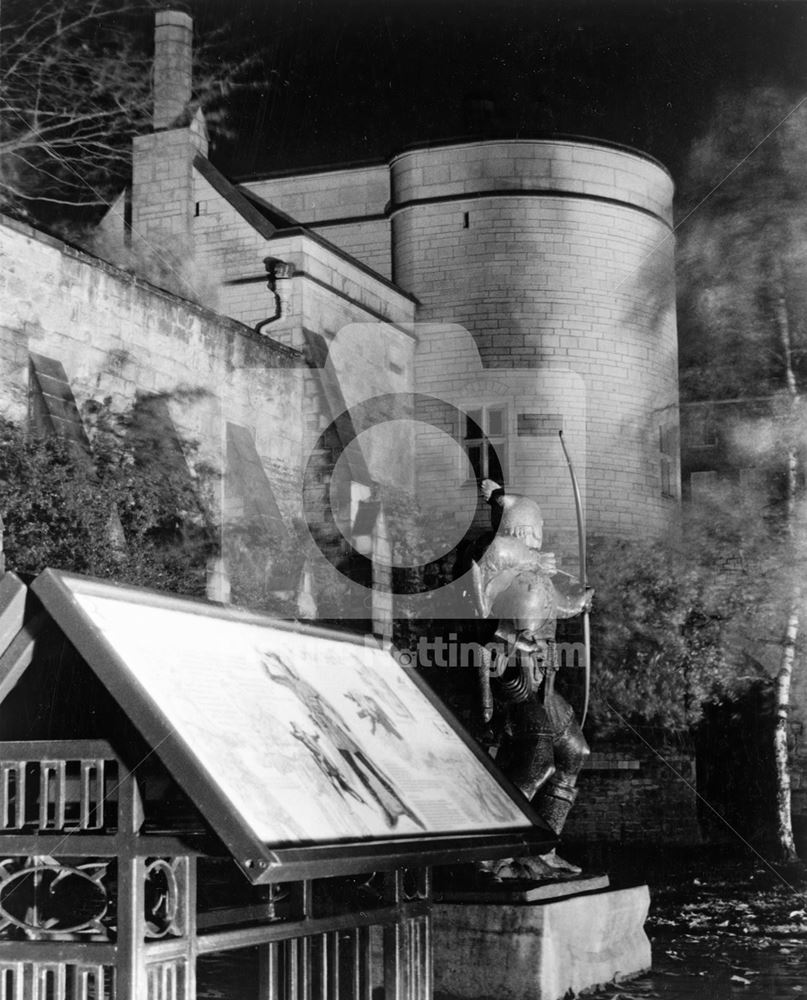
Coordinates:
[310,753]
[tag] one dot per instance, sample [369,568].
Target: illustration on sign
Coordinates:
[311,739]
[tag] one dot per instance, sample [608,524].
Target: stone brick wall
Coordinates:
[329,290]
[367,321]
[556,256]
[345,206]
[116,336]
[636,798]
[449,368]
[590,168]
[163,187]
[227,249]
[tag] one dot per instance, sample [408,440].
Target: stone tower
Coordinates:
[557,256]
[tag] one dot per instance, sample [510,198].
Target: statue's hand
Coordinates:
[488,488]
[548,563]
[589,598]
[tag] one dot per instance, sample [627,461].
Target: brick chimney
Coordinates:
[173,65]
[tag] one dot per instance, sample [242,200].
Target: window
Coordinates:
[485,440]
[703,485]
[668,448]
[700,429]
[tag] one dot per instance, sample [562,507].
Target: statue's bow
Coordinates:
[581,548]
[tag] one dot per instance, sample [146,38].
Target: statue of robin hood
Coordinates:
[541,744]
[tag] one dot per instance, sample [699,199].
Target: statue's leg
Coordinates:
[527,754]
[527,763]
[570,751]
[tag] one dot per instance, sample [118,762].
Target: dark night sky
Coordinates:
[360,79]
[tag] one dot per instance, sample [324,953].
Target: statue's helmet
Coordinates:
[522,518]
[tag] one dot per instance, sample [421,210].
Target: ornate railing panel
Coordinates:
[71,793]
[56,981]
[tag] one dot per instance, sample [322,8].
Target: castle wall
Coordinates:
[557,257]
[228,249]
[163,182]
[116,336]
[346,206]
[631,798]
[368,325]
[329,292]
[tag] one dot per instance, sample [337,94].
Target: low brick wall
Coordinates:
[633,798]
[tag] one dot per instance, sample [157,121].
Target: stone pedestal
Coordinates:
[539,951]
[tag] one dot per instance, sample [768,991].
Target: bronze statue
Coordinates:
[541,745]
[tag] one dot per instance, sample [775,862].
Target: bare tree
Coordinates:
[75,87]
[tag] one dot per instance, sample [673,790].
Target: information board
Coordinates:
[308,738]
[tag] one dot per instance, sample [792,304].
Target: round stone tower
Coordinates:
[556,255]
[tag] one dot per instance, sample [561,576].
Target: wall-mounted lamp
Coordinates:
[276,270]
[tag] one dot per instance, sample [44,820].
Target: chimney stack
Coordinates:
[173,65]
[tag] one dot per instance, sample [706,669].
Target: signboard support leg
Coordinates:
[131,951]
[188,891]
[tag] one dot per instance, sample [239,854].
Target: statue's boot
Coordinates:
[528,869]
[554,804]
[536,868]
[557,865]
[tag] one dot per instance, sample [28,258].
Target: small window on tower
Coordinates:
[486,442]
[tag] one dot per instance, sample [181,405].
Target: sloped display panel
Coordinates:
[303,737]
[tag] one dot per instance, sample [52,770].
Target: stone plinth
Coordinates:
[539,951]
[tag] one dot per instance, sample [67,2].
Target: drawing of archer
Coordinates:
[331,725]
[311,742]
[370,709]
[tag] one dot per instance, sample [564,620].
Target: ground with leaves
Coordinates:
[721,925]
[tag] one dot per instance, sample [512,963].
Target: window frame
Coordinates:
[486,440]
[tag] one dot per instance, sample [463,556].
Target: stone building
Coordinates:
[463,302]
[525,285]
